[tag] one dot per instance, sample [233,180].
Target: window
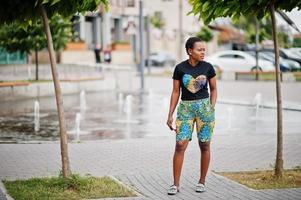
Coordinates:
[130,3]
[120,3]
[158,14]
[236,56]
[227,56]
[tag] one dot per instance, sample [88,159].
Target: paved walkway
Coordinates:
[146,164]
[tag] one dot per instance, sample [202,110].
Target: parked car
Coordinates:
[285,53]
[161,59]
[232,60]
[285,64]
[296,50]
[292,64]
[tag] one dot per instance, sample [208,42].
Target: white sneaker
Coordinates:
[200,187]
[173,190]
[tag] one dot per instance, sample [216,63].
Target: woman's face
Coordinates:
[198,51]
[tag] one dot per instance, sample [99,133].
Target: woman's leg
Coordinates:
[205,125]
[205,160]
[178,160]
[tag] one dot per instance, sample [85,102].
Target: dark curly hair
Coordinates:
[190,42]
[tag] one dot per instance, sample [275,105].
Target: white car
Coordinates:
[296,50]
[161,58]
[238,61]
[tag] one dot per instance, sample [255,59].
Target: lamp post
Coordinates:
[141,41]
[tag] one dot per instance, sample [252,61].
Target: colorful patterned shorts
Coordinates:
[199,111]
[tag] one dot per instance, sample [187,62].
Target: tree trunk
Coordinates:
[279,155]
[58,56]
[147,23]
[180,30]
[37,64]
[29,59]
[58,95]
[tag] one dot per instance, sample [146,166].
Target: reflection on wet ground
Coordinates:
[111,115]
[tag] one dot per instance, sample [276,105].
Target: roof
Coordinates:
[228,34]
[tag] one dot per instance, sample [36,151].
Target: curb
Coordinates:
[4,191]
[138,197]
[232,182]
[268,106]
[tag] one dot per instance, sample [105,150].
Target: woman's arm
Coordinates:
[213,91]
[173,102]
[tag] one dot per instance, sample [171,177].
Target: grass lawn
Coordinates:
[266,179]
[75,187]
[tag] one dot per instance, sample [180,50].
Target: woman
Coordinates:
[196,107]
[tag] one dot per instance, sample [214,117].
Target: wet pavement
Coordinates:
[111,115]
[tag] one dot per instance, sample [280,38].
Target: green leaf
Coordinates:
[205,34]
[25,36]
[225,11]
[54,2]
[205,6]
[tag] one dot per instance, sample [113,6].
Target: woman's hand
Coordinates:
[173,103]
[169,124]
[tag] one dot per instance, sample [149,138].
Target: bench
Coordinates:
[79,79]
[297,75]
[14,83]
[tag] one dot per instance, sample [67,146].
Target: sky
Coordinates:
[295,16]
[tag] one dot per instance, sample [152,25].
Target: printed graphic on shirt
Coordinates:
[194,84]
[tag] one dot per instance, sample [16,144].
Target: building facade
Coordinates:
[166,22]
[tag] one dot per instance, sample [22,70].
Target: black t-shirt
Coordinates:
[194,80]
